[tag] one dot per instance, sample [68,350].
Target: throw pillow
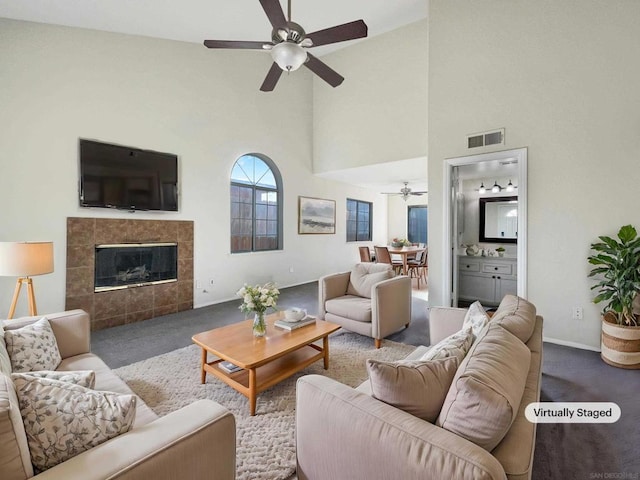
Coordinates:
[62,420]
[476,318]
[517,316]
[418,388]
[33,347]
[84,378]
[5,361]
[365,275]
[487,389]
[456,345]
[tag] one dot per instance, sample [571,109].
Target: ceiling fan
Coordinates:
[289,44]
[405,191]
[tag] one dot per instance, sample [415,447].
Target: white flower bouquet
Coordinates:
[258,298]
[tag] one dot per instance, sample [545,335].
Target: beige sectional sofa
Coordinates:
[195,442]
[342,432]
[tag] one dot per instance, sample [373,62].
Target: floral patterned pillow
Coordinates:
[84,378]
[33,347]
[5,362]
[62,420]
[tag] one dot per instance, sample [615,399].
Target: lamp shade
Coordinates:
[24,259]
[288,55]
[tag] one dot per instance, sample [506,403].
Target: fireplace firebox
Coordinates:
[126,265]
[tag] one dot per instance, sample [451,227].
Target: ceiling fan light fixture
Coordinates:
[288,55]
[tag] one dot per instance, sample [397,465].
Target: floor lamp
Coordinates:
[24,260]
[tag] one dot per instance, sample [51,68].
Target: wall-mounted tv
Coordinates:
[113,176]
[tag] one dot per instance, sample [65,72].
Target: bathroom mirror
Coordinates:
[499,219]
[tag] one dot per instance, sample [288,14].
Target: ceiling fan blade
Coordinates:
[274,13]
[234,44]
[325,72]
[339,33]
[418,193]
[272,78]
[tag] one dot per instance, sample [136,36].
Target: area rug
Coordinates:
[266,442]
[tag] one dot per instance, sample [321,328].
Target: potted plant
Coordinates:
[500,251]
[617,269]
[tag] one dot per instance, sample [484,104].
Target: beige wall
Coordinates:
[378,114]
[562,78]
[59,84]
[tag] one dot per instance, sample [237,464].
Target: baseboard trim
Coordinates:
[224,300]
[565,343]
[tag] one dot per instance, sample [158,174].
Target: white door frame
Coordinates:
[520,154]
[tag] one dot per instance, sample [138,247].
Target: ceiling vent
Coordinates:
[484,139]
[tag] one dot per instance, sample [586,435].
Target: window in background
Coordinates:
[417,224]
[256,205]
[359,218]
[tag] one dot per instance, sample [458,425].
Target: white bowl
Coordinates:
[294,314]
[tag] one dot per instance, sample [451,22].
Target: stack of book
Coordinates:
[308,320]
[229,367]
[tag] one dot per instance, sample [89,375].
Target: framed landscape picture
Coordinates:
[316,215]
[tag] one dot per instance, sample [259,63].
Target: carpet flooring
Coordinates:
[563,451]
[265,442]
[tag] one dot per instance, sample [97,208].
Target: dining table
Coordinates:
[405,252]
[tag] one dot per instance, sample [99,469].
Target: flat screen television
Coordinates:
[113,176]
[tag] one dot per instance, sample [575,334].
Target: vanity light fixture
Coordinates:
[510,187]
[482,190]
[496,188]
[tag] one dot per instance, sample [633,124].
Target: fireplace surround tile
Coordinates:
[80,256]
[139,316]
[117,307]
[111,230]
[110,304]
[139,299]
[185,291]
[81,231]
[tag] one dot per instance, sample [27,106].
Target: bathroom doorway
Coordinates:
[486,255]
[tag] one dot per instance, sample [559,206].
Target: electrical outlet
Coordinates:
[198,284]
[576,313]
[290,269]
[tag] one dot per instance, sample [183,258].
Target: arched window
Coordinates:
[256,205]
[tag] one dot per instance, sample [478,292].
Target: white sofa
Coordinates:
[195,442]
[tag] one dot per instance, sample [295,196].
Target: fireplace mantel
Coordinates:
[117,307]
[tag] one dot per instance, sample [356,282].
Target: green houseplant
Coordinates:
[617,271]
[617,264]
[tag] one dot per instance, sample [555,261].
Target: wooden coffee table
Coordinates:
[265,361]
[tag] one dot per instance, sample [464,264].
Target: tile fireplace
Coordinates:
[143,286]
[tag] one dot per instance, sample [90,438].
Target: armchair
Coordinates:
[369,300]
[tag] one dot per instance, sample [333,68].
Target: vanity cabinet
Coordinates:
[487,279]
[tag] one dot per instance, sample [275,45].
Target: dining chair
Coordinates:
[418,268]
[365,254]
[383,256]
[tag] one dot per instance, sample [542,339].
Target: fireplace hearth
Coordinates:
[134,265]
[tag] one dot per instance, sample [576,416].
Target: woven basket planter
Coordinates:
[620,345]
